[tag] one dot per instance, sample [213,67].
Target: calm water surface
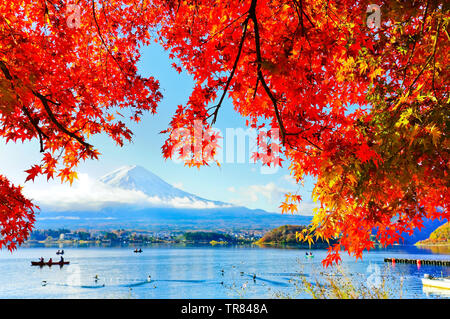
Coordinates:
[196,272]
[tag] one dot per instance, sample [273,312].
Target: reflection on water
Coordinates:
[436,292]
[437,249]
[196,272]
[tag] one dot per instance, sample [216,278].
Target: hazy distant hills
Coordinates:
[157,205]
[162,206]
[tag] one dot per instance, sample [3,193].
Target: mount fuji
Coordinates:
[137,178]
[153,204]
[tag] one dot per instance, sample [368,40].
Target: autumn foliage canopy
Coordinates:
[360,101]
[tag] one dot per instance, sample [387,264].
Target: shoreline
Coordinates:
[99,244]
[432,245]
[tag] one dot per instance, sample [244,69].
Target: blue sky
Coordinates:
[237,183]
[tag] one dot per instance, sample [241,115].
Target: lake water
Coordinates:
[196,272]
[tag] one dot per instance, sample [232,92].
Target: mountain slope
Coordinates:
[140,179]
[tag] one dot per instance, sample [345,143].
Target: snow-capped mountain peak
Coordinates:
[140,179]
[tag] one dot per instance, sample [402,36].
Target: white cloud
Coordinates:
[89,194]
[288,178]
[307,208]
[255,195]
[270,191]
[231,189]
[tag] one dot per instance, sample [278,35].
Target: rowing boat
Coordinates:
[430,281]
[40,263]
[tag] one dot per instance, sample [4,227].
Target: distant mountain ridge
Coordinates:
[168,208]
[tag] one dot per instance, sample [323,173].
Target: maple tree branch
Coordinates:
[230,77]
[37,128]
[104,43]
[24,109]
[306,139]
[260,77]
[52,117]
[256,88]
[415,42]
[252,15]
[224,28]
[302,13]
[428,60]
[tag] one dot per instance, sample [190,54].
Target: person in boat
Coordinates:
[41,260]
[50,261]
[61,260]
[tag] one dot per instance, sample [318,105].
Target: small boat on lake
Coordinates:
[441,283]
[40,263]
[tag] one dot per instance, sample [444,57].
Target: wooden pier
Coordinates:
[418,261]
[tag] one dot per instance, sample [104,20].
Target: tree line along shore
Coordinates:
[283,235]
